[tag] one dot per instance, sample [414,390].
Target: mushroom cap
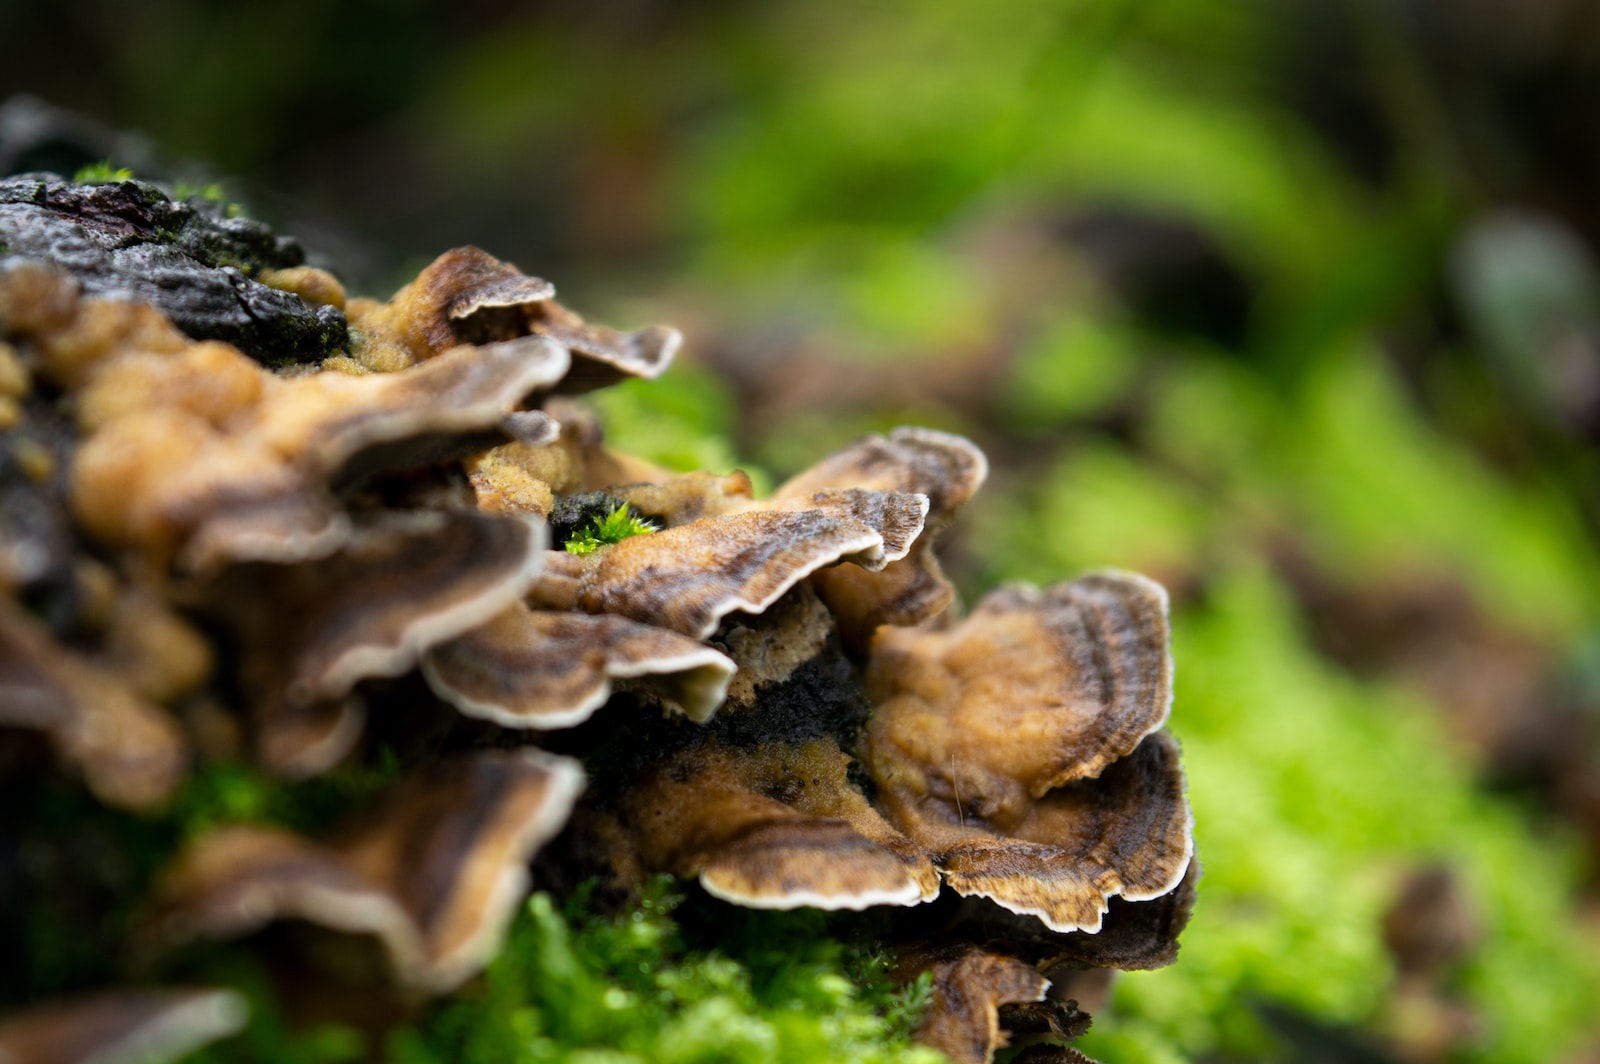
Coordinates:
[433,872]
[309,633]
[453,842]
[235,880]
[401,585]
[130,751]
[469,296]
[122,1027]
[1020,748]
[688,578]
[1033,690]
[603,356]
[1126,833]
[537,669]
[948,469]
[337,427]
[775,827]
[465,292]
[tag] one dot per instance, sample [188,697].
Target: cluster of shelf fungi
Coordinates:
[223,545]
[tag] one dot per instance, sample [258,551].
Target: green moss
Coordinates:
[102,173]
[638,987]
[618,524]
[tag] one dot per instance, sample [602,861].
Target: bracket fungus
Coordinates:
[433,873]
[347,563]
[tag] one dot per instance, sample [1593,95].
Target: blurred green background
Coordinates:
[1291,305]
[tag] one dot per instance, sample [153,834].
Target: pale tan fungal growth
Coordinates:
[433,873]
[525,477]
[199,453]
[777,827]
[122,1027]
[771,645]
[538,669]
[311,284]
[129,751]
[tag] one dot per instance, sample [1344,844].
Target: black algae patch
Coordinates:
[128,240]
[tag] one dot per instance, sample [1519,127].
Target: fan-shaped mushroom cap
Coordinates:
[235,880]
[946,468]
[434,872]
[453,844]
[970,984]
[604,356]
[688,578]
[1020,748]
[469,296]
[336,426]
[466,289]
[1133,935]
[536,669]
[1033,690]
[122,1027]
[1127,833]
[130,752]
[776,827]
[310,632]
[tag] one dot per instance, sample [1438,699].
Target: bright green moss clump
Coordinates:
[776,987]
[614,527]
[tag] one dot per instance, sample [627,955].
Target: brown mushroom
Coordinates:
[308,633]
[469,296]
[122,1027]
[434,872]
[948,470]
[1128,833]
[1020,748]
[130,752]
[1133,935]
[688,578]
[1033,690]
[466,289]
[775,827]
[538,669]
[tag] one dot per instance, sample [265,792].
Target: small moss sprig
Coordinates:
[616,526]
[102,173]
